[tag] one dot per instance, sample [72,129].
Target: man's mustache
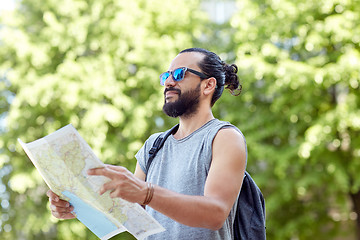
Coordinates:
[172,89]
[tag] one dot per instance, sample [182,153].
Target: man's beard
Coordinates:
[186,105]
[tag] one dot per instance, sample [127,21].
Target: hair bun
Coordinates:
[231,79]
[234,68]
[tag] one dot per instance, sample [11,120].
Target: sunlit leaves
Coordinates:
[299,65]
[94,64]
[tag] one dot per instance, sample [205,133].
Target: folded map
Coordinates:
[62,158]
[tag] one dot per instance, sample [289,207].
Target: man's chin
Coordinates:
[171,108]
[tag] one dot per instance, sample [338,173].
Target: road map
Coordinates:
[62,158]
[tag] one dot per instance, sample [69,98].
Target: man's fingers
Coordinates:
[62,212]
[115,193]
[108,171]
[109,186]
[99,171]
[61,209]
[52,196]
[63,215]
[60,203]
[56,201]
[115,168]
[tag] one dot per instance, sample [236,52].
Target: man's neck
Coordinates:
[188,125]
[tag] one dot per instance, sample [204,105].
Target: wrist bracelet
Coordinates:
[149,193]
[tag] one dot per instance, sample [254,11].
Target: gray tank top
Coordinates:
[182,166]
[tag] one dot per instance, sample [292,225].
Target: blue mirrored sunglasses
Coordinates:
[179,74]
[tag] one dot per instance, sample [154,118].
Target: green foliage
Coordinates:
[94,64]
[299,63]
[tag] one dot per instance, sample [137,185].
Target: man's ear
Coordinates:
[210,85]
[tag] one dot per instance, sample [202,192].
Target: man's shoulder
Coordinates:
[230,140]
[229,132]
[227,127]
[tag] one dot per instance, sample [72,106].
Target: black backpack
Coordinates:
[249,221]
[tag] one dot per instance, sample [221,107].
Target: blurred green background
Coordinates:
[95,64]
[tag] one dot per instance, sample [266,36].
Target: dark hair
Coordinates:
[212,66]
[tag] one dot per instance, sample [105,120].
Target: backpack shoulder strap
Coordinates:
[158,143]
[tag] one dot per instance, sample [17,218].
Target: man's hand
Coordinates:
[122,184]
[59,208]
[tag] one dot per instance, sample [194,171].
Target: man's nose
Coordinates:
[170,82]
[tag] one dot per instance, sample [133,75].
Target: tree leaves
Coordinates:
[298,110]
[94,64]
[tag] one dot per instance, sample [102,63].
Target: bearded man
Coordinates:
[196,177]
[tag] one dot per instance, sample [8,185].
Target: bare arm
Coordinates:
[221,188]
[139,172]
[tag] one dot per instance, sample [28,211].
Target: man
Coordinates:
[194,181]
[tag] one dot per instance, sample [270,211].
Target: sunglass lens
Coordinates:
[178,74]
[163,78]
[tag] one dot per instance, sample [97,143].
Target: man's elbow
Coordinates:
[218,219]
[216,226]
